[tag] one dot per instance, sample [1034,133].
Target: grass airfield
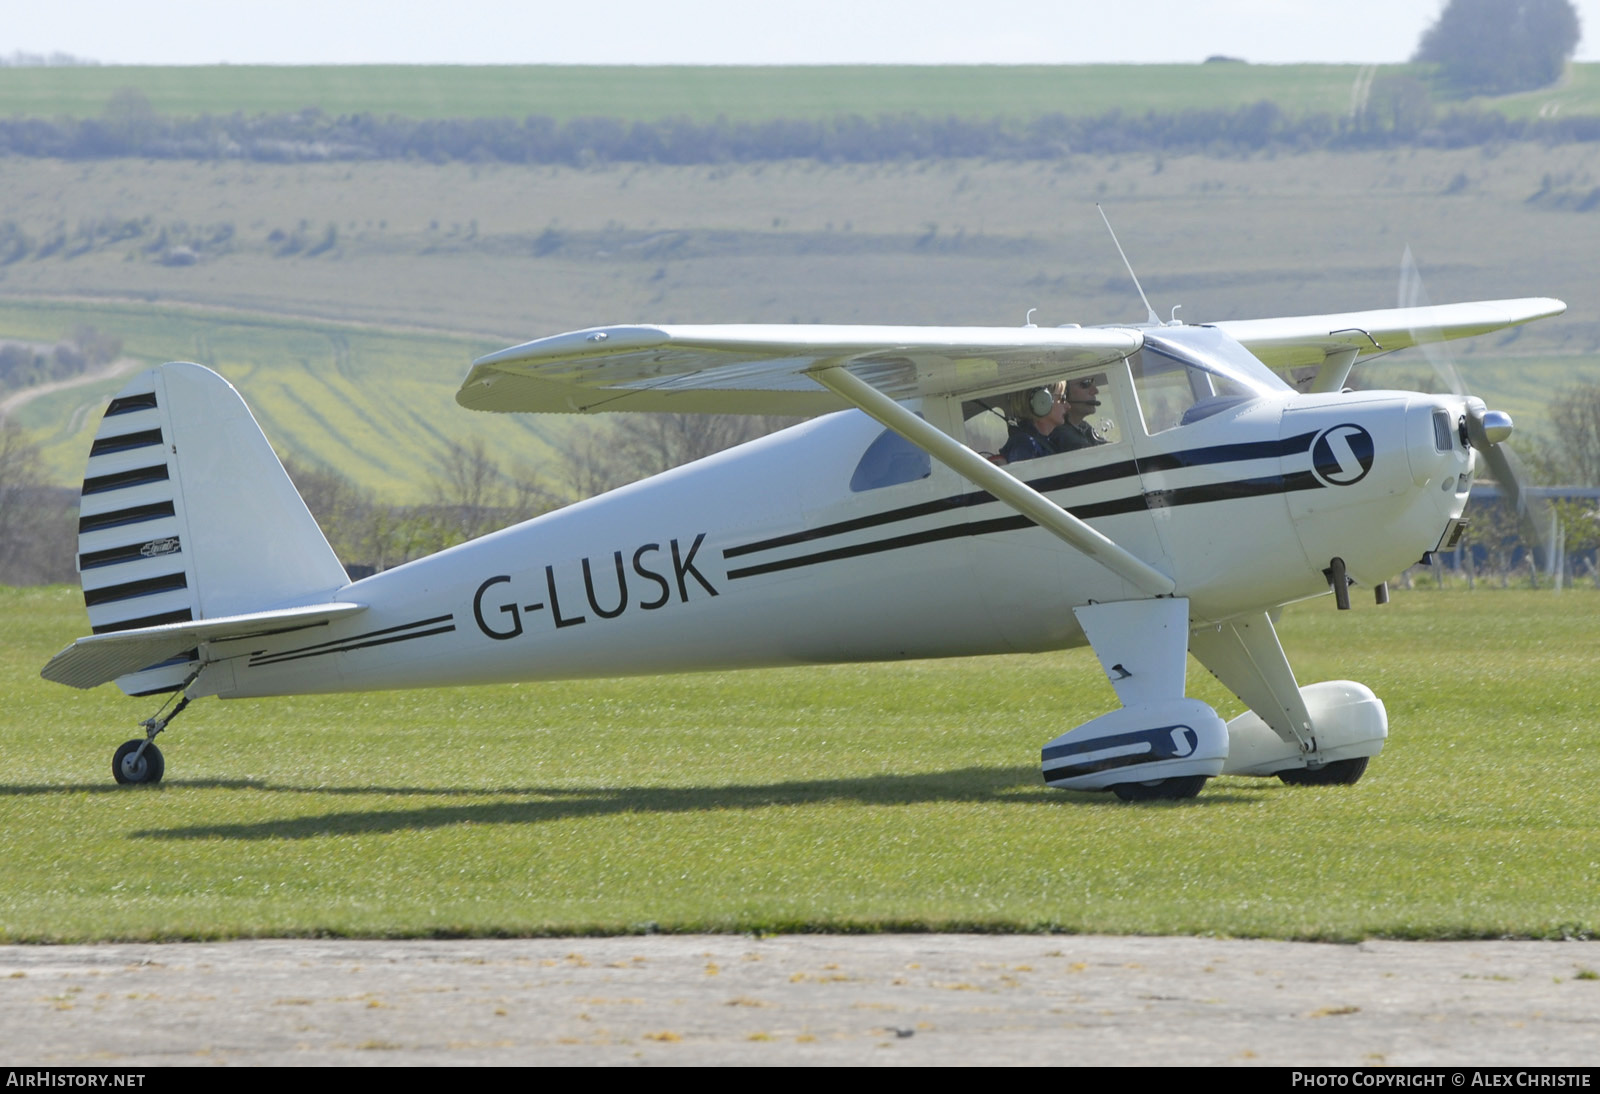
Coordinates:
[844,798]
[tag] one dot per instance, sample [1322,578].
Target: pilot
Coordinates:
[1035,414]
[1082,400]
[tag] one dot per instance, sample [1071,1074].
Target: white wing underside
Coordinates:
[769,369]
[753,369]
[1308,340]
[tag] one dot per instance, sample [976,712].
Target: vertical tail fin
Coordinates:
[187,514]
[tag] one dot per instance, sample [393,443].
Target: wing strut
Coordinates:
[1335,369]
[986,476]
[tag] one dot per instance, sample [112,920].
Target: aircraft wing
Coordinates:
[99,658]
[1311,339]
[766,369]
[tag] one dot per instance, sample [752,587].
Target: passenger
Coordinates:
[1083,399]
[1035,413]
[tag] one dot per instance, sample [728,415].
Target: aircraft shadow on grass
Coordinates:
[1002,785]
[47,789]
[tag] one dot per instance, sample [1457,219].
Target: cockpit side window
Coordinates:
[1083,414]
[888,461]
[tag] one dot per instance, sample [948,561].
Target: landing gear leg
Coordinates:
[140,763]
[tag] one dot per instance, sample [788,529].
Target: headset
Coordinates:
[1041,401]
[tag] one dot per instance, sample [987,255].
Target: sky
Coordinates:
[700,32]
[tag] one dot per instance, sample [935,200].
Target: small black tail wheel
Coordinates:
[1185,786]
[130,769]
[1338,773]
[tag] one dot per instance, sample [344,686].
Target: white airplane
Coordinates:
[1219,494]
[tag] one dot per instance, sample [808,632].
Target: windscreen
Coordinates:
[1186,374]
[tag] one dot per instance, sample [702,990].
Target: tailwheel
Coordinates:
[132,767]
[1175,789]
[139,763]
[1338,773]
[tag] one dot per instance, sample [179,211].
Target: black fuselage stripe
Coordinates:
[129,590]
[1192,495]
[118,517]
[1227,491]
[1065,480]
[913,539]
[1226,453]
[358,637]
[935,535]
[855,524]
[275,659]
[1166,461]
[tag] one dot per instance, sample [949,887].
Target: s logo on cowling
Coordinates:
[1342,455]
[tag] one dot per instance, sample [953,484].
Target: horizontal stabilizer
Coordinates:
[99,658]
[767,369]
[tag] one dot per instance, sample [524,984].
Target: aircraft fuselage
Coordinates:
[765,556]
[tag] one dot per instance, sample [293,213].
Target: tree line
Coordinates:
[1399,112]
[24,365]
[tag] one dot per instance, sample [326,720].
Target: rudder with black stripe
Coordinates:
[188,514]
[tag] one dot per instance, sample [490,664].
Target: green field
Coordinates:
[377,406]
[1578,93]
[648,93]
[739,93]
[836,798]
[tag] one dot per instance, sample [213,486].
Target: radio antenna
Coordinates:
[1153,318]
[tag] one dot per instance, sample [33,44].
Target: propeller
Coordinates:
[1484,429]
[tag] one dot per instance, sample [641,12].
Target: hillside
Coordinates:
[652,93]
[645,93]
[347,298]
[491,256]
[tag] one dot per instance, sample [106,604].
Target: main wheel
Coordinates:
[130,770]
[1176,789]
[1338,773]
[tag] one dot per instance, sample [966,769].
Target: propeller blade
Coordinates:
[1487,430]
[1413,295]
[1533,512]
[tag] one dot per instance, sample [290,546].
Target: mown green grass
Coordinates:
[649,93]
[837,798]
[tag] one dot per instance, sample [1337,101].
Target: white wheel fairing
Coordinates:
[1174,738]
